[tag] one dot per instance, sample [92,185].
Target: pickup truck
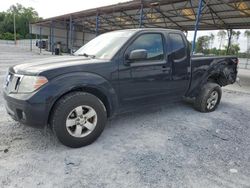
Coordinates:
[114,73]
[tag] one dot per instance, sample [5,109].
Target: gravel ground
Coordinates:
[172,146]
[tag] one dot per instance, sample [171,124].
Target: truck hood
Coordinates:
[35,67]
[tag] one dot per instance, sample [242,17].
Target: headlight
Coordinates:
[29,84]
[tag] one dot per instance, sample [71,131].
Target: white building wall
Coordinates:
[60,35]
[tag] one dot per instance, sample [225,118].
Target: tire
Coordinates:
[71,128]
[208,95]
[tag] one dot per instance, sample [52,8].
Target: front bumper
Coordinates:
[22,109]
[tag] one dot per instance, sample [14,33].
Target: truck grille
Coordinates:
[12,82]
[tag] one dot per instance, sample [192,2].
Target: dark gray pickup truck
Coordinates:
[113,73]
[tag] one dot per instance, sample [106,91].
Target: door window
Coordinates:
[150,42]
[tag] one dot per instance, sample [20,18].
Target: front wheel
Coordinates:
[78,119]
[209,98]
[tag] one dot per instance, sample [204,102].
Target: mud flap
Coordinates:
[238,81]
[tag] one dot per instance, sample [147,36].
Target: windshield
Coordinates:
[106,45]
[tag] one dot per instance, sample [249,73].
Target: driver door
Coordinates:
[145,80]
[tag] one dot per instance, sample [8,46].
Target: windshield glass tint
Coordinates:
[106,45]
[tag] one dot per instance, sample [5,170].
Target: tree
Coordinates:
[211,40]
[234,49]
[221,35]
[202,44]
[23,17]
[236,35]
[247,34]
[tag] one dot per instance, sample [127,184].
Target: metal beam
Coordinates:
[71,34]
[205,16]
[40,39]
[111,22]
[141,15]
[211,3]
[197,25]
[165,16]
[229,34]
[91,26]
[67,37]
[213,12]
[131,17]
[236,8]
[97,24]
[52,37]
[14,23]
[30,36]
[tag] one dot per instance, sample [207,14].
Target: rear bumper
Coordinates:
[24,111]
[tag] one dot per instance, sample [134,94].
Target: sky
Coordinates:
[50,8]
[47,8]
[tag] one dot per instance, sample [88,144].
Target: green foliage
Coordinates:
[234,49]
[204,44]
[236,35]
[247,33]
[7,36]
[243,55]
[23,17]
[221,35]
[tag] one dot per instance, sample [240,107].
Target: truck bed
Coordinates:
[222,68]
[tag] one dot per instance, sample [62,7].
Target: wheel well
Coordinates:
[93,91]
[217,78]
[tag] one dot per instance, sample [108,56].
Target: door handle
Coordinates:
[165,68]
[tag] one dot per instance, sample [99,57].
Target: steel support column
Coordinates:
[97,24]
[52,38]
[14,22]
[30,36]
[248,51]
[141,15]
[40,39]
[71,34]
[197,25]
[229,34]
[67,37]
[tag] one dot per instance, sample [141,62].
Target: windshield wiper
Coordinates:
[87,55]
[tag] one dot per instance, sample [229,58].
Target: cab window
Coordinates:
[152,43]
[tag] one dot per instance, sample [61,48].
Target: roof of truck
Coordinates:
[150,29]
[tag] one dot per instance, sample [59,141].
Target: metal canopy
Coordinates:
[173,14]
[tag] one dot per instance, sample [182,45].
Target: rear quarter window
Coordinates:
[177,46]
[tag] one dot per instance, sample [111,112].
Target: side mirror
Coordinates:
[138,55]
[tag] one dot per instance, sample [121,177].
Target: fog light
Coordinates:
[20,114]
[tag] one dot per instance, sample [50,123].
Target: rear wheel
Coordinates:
[78,119]
[209,98]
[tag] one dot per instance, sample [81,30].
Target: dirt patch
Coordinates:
[172,146]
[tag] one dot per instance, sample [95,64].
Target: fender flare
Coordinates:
[63,84]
